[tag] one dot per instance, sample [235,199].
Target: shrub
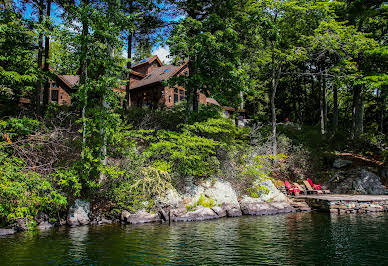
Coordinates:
[222,130]
[203,201]
[24,194]
[132,192]
[184,153]
[18,127]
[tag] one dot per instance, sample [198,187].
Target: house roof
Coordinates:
[148,60]
[71,80]
[212,101]
[158,74]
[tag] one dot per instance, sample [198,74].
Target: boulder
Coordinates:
[4,232]
[79,213]
[232,210]
[140,217]
[255,206]
[45,226]
[170,199]
[369,183]
[282,206]
[341,163]
[221,191]
[105,221]
[219,211]
[200,214]
[356,181]
[272,193]
[22,224]
[42,217]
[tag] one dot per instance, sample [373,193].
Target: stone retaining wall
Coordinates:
[346,206]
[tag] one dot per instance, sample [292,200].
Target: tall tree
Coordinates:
[140,29]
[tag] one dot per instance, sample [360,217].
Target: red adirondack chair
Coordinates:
[314,186]
[291,189]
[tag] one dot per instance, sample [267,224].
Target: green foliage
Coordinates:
[19,127]
[204,202]
[221,130]
[17,72]
[257,190]
[184,153]
[132,191]
[24,194]
[68,181]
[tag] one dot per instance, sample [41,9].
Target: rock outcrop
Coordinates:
[357,181]
[4,231]
[200,214]
[139,217]
[79,213]
[45,225]
[256,206]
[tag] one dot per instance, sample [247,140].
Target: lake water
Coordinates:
[287,239]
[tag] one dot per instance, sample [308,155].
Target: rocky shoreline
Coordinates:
[212,199]
[175,207]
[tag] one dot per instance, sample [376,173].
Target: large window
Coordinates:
[54,95]
[179,95]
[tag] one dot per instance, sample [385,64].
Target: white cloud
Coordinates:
[163,53]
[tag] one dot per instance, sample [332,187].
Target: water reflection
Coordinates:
[291,239]
[79,241]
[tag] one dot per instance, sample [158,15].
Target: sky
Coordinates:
[28,12]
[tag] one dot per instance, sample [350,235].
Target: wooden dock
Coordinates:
[342,203]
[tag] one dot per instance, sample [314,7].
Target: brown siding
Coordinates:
[141,69]
[63,97]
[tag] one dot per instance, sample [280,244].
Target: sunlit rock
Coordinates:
[79,213]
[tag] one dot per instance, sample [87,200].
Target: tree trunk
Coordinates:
[382,108]
[128,85]
[357,119]
[84,74]
[325,100]
[322,101]
[38,89]
[127,99]
[274,83]
[335,100]
[46,56]
[189,92]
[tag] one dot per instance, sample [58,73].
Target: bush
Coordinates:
[15,128]
[184,153]
[132,192]
[221,130]
[24,194]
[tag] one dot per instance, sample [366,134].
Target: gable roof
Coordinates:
[158,74]
[71,80]
[148,60]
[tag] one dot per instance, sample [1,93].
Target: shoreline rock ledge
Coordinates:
[177,207]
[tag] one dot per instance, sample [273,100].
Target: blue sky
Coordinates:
[56,11]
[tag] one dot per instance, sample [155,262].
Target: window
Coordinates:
[54,95]
[175,98]
[169,99]
[54,85]
[175,90]
[181,92]
[181,98]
